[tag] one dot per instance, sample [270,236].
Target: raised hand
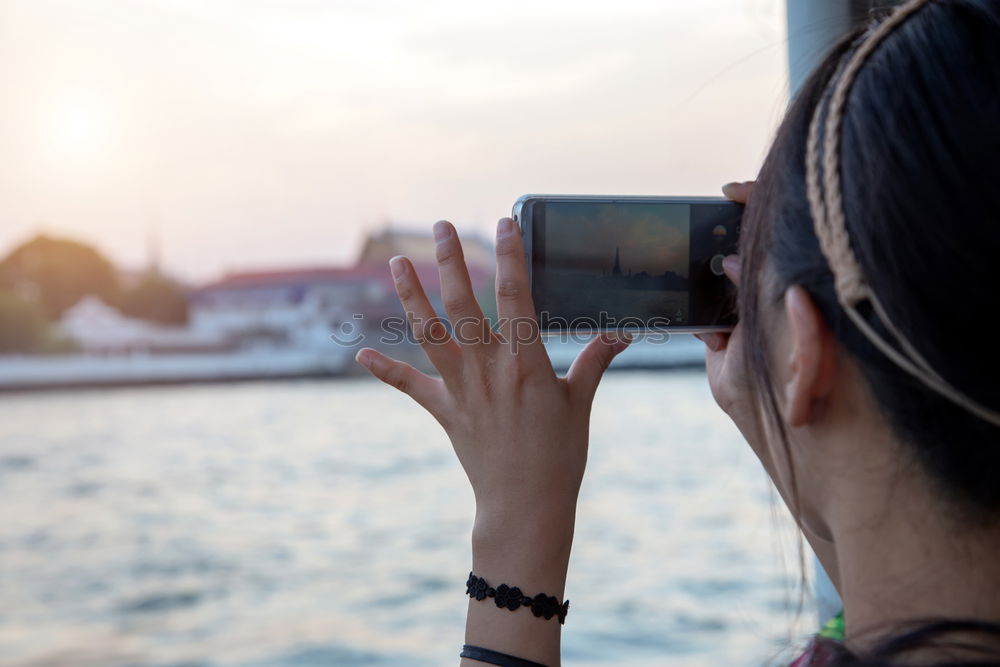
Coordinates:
[519,431]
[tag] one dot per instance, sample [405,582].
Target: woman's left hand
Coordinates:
[519,431]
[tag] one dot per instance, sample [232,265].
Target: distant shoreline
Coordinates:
[88,372]
[6,389]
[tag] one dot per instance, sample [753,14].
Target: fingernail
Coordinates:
[396,266]
[730,184]
[441,230]
[363,359]
[731,263]
[505,226]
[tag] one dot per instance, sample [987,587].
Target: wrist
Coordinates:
[527,547]
[532,548]
[544,529]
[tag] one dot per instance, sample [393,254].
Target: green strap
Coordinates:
[834,628]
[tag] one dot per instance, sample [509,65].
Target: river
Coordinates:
[326,522]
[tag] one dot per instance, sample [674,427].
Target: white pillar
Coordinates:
[813,28]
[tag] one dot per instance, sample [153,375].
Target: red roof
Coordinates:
[362,271]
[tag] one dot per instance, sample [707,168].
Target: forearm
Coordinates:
[529,549]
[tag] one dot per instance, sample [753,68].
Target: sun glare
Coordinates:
[77,126]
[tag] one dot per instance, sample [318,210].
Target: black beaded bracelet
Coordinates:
[511,597]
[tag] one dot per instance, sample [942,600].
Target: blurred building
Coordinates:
[419,247]
[303,307]
[97,328]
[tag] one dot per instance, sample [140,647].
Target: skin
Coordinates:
[888,541]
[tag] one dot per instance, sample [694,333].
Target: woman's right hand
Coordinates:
[726,365]
[725,359]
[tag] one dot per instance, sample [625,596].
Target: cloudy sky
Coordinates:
[264,133]
[650,238]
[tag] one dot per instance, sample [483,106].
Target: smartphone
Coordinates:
[602,263]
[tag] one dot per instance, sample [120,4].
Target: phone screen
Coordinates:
[613,264]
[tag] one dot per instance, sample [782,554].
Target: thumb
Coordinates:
[589,366]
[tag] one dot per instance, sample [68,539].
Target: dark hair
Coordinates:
[920,174]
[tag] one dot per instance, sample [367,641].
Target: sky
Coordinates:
[651,238]
[248,134]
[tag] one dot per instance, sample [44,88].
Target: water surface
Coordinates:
[301,523]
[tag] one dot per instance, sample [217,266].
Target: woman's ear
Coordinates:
[811,360]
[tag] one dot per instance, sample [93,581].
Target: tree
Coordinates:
[57,273]
[23,325]
[155,298]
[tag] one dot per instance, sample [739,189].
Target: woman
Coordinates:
[859,371]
